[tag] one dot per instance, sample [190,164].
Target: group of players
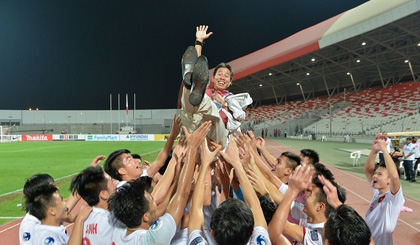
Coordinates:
[215,186]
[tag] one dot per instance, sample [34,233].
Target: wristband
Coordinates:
[199,43]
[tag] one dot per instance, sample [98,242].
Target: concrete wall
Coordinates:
[87,122]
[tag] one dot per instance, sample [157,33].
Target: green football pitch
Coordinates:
[63,160]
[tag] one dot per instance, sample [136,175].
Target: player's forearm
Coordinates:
[266,171]
[77,233]
[271,160]
[179,200]
[196,220]
[162,187]
[72,201]
[370,164]
[390,166]
[278,222]
[250,196]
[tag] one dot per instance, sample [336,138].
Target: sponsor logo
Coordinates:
[26,236]
[102,138]
[314,236]
[196,241]
[37,137]
[49,240]
[261,240]
[156,226]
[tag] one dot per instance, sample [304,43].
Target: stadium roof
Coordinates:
[376,43]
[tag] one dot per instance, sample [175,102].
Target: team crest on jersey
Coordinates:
[261,240]
[26,236]
[196,241]
[314,236]
[156,226]
[49,240]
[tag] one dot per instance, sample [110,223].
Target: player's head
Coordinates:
[33,185]
[132,204]
[120,165]
[285,164]
[232,223]
[380,178]
[35,181]
[222,76]
[309,156]
[93,185]
[346,227]
[46,202]
[316,201]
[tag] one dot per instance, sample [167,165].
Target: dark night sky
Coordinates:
[65,55]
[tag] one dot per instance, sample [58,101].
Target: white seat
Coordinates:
[401,168]
[356,157]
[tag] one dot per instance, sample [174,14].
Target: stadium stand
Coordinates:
[395,108]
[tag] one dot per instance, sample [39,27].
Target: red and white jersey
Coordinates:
[50,235]
[382,215]
[161,232]
[26,229]
[98,227]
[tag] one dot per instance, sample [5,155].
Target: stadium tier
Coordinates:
[395,108]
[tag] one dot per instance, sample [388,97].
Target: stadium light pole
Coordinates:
[411,69]
[331,120]
[352,80]
[301,90]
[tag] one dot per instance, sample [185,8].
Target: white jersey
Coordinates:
[382,215]
[26,229]
[161,232]
[312,234]
[50,235]
[259,237]
[407,149]
[417,147]
[98,227]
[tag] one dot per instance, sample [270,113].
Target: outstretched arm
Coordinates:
[77,232]
[196,220]
[179,200]
[370,162]
[395,184]
[161,189]
[299,180]
[270,159]
[231,155]
[164,153]
[201,35]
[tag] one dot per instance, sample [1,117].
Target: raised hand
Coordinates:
[301,178]
[207,156]
[201,33]
[97,160]
[176,125]
[194,140]
[331,192]
[260,142]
